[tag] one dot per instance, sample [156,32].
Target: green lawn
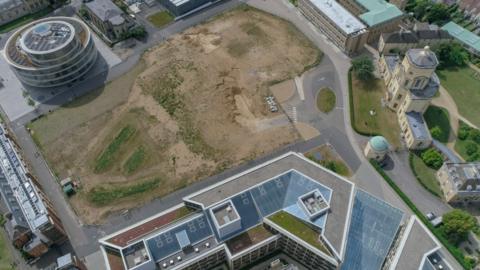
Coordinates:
[463,143]
[161,18]
[461,149]
[438,117]
[5,255]
[298,228]
[425,174]
[463,84]
[108,155]
[326,100]
[366,97]
[106,195]
[134,162]
[24,20]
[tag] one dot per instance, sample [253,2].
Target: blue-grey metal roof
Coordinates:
[373,227]
[166,243]
[417,125]
[429,91]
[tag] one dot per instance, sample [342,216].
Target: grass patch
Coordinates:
[298,228]
[366,97]
[329,161]
[135,160]
[326,100]
[108,155]
[161,18]
[238,48]
[438,117]
[455,251]
[6,258]
[467,144]
[102,195]
[24,20]
[425,175]
[461,149]
[463,84]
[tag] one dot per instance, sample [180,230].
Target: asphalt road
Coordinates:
[334,128]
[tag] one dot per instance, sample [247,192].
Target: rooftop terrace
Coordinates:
[47,36]
[247,239]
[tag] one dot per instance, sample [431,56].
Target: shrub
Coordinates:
[436,133]
[432,158]
[474,134]
[471,148]
[463,132]
[473,157]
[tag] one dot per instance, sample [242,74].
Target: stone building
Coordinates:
[411,85]
[13,9]
[108,19]
[460,182]
[377,148]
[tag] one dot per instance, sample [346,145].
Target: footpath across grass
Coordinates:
[437,117]
[161,18]
[463,84]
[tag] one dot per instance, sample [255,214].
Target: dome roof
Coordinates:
[379,143]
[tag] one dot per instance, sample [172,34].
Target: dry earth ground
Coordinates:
[196,108]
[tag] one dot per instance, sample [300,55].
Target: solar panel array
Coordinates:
[373,227]
[166,243]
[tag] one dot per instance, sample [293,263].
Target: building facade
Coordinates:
[108,19]
[338,24]
[411,85]
[377,148]
[13,9]
[288,204]
[31,222]
[51,52]
[422,35]
[460,182]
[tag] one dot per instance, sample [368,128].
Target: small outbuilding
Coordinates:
[377,148]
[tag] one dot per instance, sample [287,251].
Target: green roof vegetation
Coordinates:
[251,237]
[463,35]
[379,11]
[299,229]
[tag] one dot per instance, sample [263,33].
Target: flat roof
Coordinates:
[379,11]
[417,124]
[47,36]
[463,35]
[465,176]
[347,22]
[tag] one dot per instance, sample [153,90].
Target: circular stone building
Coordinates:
[51,52]
[377,148]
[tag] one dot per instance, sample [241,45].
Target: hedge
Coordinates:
[352,109]
[456,253]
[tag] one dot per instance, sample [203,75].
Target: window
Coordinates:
[395,105]
[407,82]
[417,83]
[399,97]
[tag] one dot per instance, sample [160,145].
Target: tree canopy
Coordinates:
[432,158]
[363,67]
[456,225]
[451,55]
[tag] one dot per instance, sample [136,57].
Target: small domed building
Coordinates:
[377,148]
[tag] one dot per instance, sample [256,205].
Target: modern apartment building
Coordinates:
[51,52]
[338,24]
[31,221]
[411,85]
[108,19]
[13,9]
[460,182]
[288,204]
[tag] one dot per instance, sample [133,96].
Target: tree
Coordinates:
[456,225]
[438,12]
[474,134]
[432,158]
[451,55]
[471,148]
[463,132]
[363,67]
[436,132]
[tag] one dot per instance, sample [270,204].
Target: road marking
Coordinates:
[299,86]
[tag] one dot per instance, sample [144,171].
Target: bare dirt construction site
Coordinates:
[193,107]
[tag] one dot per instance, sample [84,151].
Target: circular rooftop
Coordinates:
[379,143]
[47,37]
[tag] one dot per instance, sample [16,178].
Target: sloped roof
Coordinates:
[463,35]
[379,11]
[104,9]
[422,58]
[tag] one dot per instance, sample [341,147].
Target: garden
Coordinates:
[468,142]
